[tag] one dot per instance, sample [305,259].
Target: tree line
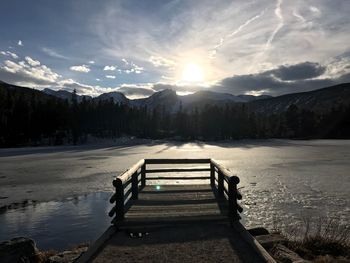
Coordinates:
[30,119]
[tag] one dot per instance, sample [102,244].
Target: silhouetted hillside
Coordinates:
[25,93]
[320,100]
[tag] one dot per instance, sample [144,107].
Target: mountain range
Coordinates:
[320,100]
[161,96]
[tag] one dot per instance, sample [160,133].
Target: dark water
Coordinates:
[58,225]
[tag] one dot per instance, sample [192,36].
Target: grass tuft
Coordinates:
[319,240]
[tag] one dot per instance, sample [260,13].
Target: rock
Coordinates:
[268,241]
[285,255]
[258,231]
[20,249]
[68,256]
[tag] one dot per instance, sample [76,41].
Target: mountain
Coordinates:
[167,98]
[117,97]
[210,96]
[248,98]
[321,100]
[199,99]
[64,94]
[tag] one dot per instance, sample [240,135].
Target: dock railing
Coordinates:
[129,183]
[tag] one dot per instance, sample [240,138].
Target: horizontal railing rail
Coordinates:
[128,184]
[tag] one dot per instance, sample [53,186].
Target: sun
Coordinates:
[192,73]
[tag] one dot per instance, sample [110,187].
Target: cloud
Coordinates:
[134,91]
[32,62]
[19,43]
[278,27]
[110,77]
[245,37]
[81,68]
[111,68]
[299,16]
[8,53]
[315,10]
[91,62]
[305,70]
[130,67]
[282,80]
[23,73]
[278,13]
[338,66]
[159,61]
[81,89]
[232,34]
[53,53]
[40,77]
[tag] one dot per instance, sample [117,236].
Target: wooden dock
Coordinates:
[176,223]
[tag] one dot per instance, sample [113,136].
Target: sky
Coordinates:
[139,47]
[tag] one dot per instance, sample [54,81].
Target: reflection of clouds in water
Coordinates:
[59,224]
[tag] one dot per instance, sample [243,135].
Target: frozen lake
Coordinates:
[281,181]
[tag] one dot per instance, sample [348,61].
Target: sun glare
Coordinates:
[192,73]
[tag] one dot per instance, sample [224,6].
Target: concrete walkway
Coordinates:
[195,242]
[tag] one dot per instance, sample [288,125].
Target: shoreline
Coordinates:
[277,245]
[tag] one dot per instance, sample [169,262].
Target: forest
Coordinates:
[31,119]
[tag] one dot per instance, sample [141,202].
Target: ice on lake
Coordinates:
[281,180]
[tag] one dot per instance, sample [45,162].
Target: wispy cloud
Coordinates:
[239,29]
[53,53]
[299,16]
[278,13]
[110,76]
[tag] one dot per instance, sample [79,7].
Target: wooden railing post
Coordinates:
[212,174]
[234,208]
[119,202]
[143,175]
[232,202]
[134,186]
[220,183]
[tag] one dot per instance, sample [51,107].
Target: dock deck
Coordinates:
[176,223]
[175,204]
